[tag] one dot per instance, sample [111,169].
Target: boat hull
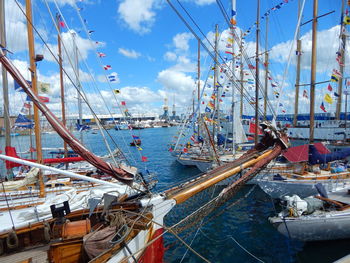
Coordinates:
[326,226]
[302,188]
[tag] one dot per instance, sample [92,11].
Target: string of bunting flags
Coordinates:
[267,13]
[336,75]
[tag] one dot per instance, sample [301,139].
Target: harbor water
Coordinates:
[238,232]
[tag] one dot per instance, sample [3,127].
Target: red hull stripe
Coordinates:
[154,253]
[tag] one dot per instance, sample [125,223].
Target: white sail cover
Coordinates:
[240,136]
[30,178]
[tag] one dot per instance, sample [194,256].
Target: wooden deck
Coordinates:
[37,255]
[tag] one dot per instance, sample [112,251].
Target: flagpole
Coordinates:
[257,74]
[80,112]
[63,108]
[313,71]
[266,68]
[5,92]
[341,66]
[297,79]
[39,155]
[233,23]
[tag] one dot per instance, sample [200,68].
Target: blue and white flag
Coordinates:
[112,78]
[18,87]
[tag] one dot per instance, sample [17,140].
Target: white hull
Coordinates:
[186,161]
[315,227]
[302,188]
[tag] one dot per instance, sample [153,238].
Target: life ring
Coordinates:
[12,240]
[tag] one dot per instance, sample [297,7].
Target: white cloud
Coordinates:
[181,41]
[170,56]
[176,81]
[325,47]
[129,53]
[16,27]
[204,2]
[139,15]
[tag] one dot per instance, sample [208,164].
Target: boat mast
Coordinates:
[63,108]
[216,87]
[75,47]
[39,155]
[257,74]
[199,86]
[341,67]
[266,67]
[233,23]
[313,71]
[241,74]
[297,79]
[5,92]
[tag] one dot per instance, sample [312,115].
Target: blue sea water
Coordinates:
[239,233]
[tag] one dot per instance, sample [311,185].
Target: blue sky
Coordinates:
[153,54]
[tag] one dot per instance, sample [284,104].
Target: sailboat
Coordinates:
[210,145]
[306,165]
[130,226]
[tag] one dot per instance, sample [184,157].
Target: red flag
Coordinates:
[322,107]
[185,150]
[101,55]
[229,52]
[144,159]
[123,103]
[27,105]
[250,66]
[329,87]
[107,67]
[62,24]
[44,99]
[171,149]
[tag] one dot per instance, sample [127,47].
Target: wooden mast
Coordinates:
[241,75]
[199,85]
[266,68]
[257,74]
[5,92]
[297,79]
[313,71]
[63,108]
[39,154]
[341,67]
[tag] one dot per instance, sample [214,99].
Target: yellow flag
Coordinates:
[328,98]
[116,91]
[230,40]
